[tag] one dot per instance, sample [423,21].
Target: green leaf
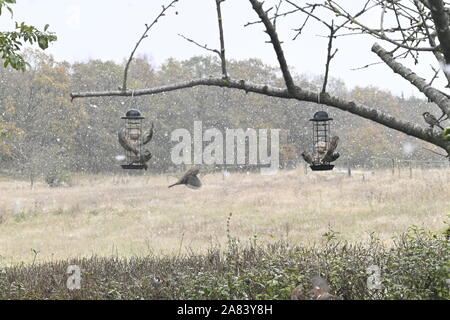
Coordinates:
[10,10]
[43,42]
[447,131]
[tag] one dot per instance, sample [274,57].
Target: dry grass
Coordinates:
[133,216]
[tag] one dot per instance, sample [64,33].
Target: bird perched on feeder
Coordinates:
[134,143]
[330,155]
[333,144]
[307,157]
[189,179]
[142,158]
[431,120]
[127,143]
[147,136]
[320,148]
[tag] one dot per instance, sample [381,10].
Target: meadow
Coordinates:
[134,216]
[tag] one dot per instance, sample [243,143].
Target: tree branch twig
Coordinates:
[270,30]
[144,35]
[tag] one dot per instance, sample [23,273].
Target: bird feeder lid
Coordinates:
[321,116]
[133,114]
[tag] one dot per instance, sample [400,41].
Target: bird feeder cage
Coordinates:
[321,139]
[133,132]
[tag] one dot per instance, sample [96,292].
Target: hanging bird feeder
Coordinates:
[321,142]
[130,137]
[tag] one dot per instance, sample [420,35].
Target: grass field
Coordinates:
[133,216]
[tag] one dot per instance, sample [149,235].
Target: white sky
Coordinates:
[108,30]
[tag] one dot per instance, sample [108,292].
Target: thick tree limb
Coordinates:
[431,93]
[431,39]
[213,82]
[441,22]
[257,6]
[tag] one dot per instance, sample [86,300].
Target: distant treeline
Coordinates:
[42,131]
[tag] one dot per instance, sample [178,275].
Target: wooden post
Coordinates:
[393,166]
[410,169]
[349,169]
[306,168]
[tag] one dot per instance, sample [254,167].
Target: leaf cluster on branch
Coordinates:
[11,42]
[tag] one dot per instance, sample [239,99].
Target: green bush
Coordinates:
[415,267]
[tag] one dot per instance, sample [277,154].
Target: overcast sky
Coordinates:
[108,30]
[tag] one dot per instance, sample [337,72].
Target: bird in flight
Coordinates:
[189,179]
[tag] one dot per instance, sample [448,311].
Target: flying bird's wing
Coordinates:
[189,179]
[147,136]
[193,182]
[126,143]
[192,172]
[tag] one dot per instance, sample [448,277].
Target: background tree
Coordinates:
[48,135]
[11,45]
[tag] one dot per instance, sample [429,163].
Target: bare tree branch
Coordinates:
[433,94]
[205,47]
[221,53]
[257,6]
[144,35]
[330,56]
[272,18]
[435,76]
[356,108]
[431,39]
[222,40]
[343,13]
[441,22]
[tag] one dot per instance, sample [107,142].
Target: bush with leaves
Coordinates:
[415,267]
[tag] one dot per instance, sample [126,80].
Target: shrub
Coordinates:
[415,267]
